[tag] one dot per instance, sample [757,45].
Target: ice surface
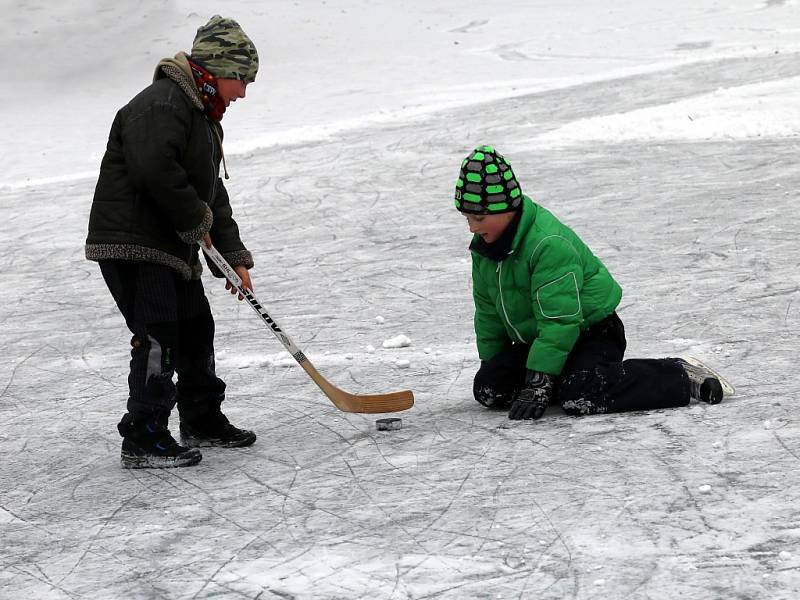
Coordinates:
[586,100]
[745,111]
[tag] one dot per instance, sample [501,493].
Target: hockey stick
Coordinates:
[344,401]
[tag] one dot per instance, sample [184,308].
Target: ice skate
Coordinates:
[706,384]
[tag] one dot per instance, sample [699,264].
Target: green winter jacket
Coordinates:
[547,291]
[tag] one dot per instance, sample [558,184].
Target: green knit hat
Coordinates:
[486,184]
[224,49]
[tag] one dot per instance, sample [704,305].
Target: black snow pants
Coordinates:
[173,331]
[595,378]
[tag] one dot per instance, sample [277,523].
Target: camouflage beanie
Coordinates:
[225,50]
[486,184]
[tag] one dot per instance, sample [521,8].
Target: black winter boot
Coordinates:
[203,424]
[148,443]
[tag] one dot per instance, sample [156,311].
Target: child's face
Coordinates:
[231,90]
[489,227]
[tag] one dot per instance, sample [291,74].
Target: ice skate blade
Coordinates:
[727,387]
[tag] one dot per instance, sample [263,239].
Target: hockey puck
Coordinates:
[390,424]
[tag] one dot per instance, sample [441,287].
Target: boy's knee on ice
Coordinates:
[492,386]
[583,393]
[493,397]
[500,379]
[579,393]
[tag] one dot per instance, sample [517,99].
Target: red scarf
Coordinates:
[207,84]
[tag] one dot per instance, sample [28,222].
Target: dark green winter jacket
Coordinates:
[159,189]
[547,291]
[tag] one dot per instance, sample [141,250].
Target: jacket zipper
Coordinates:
[214,173]
[193,250]
[503,304]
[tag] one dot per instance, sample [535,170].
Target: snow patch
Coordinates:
[769,109]
[400,341]
[245,361]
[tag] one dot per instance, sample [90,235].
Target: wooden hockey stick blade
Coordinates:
[344,401]
[357,403]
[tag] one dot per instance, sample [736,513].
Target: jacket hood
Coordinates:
[178,69]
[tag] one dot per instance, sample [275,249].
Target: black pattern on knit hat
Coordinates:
[486,184]
[222,47]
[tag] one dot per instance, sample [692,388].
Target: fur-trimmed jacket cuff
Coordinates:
[237,258]
[195,235]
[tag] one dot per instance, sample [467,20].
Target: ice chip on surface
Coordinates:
[400,341]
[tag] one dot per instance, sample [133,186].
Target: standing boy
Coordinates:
[159,193]
[545,315]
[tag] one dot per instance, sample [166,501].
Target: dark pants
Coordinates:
[595,378]
[173,331]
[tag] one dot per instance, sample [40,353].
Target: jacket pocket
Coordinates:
[560,298]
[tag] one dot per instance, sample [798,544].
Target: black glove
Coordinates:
[534,397]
